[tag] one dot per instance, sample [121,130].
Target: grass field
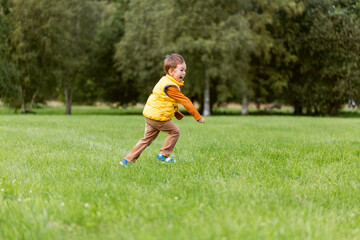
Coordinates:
[256,177]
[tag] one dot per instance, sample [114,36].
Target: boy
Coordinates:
[161,107]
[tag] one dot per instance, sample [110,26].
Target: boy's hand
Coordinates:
[201,120]
[179,115]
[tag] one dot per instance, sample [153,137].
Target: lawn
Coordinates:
[255,177]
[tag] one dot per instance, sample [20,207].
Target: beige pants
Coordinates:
[152,129]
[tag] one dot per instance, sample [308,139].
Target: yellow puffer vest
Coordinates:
[160,106]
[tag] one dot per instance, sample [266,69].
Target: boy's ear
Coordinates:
[171,70]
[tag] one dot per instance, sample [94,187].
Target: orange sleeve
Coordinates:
[179,115]
[174,93]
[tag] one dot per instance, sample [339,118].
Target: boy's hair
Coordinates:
[171,61]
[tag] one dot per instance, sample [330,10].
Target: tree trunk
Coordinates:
[68,103]
[32,101]
[245,105]
[207,110]
[316,111]
[23,103]
[68,97]
[298,109]
[308,110]
[71,96]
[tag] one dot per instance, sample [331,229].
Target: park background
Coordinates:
[301,54]
[272,174]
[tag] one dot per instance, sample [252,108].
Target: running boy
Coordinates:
[161,107]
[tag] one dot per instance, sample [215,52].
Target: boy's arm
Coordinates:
[174,93]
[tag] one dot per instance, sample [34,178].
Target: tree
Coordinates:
[326,73]
[141,50]
[107,80]
[236,45]
[33,42]
[49,44]
[215,37]
[273,24]
[304,53]
[80,30]
[9,74]
[26,45]
[154,29]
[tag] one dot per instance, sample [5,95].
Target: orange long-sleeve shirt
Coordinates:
[174,93]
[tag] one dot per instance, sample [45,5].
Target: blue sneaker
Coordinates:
[124,162]
[164,159]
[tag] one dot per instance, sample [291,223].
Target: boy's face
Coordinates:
[179,72]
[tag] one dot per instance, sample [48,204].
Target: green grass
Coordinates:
[254,177]
[79,110]
[137,110]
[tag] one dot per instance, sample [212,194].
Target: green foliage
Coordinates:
[328,57]
[109,83]
[216,39]
[9,81]
[49,44]
[77,45]
[191,29]
[274,27]
[32,45]
[9,75]
[302,53]
[140,52]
